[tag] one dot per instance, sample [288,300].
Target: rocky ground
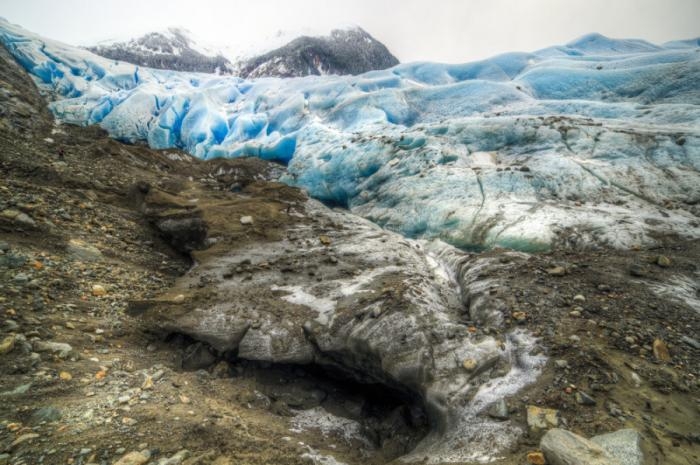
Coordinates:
[96,237]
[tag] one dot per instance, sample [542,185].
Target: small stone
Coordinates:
[147,383]
[636,380]
[575,313]
[98,290]
[246,220]
[69,325]
[663,261]
[46,414]
[584,399]
[519,316]
[637,271]
[222,461]
[197,356]
[179,298]
[83,251]
[7,344]
[325,240]
[469,364]
[132,458]
[536,458]
[557,271]
[129,421]
[661,351]
[18,217]
[499,410]
[23,438]
[65,376]
[574,338]
[539,418]
[184,399]
[579,298]
[54,347]
[561,364]
[691,342]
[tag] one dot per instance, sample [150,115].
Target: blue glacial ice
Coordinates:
[596,142]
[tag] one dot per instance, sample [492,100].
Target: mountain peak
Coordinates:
[343,49]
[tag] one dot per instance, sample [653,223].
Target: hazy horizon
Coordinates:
[413,30]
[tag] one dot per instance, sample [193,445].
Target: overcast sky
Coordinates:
[434,30]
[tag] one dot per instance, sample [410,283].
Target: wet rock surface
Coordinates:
[307,335]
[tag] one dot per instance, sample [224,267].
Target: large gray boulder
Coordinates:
[562,447]
[624,445]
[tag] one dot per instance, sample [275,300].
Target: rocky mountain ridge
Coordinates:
[343,51]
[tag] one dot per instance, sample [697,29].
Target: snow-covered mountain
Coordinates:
[173,49]
[595,142]
[342,51]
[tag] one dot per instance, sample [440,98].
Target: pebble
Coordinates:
[132,458]
[536,458]
[179,298]
[129,421]
[23,438]
[65,376]
[584,399]
[7,344]
[663,261]
[561,364]
[325,240]
[660,350]
[499,410]
[246,220]
[469,364]
[83,251]
[50,346]
[539,418]
[579,298]
[636,379]
[18,217]
[557,271]
[46,414]
[98,290]
[691,342]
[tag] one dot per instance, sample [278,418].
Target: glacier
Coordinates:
[594,143]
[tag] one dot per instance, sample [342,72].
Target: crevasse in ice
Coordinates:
[594,142]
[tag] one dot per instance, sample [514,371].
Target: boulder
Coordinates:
[624,445]
[562,447]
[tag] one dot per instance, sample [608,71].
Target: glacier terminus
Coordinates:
[596,142]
